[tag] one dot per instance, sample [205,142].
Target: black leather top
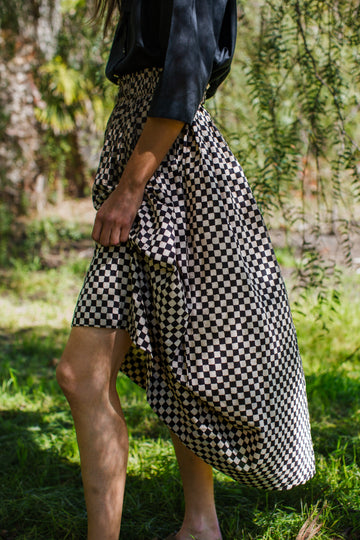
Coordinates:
[192,40]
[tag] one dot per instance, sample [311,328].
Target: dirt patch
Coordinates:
[73,210]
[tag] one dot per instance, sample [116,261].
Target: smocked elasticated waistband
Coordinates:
[140,84]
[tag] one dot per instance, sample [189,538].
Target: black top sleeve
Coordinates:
[197,43]
[193,41]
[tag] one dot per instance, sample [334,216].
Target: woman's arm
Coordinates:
[115,217]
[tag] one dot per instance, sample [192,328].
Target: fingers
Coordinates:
[114,239]
[115,217]
[96,232]
[124,233]
[109,233]
[106,234]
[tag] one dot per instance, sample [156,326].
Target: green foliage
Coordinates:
[68,91]
[30,244]
[73,82]
[70,6]
[49,232]
[4,117]
[76,103]
[302,67]
[6,220]
[13,12]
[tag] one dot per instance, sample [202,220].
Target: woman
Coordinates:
[184,293]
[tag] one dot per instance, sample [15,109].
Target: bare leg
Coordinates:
[87,375]
[200,520]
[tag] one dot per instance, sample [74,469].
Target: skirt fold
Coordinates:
[199,290]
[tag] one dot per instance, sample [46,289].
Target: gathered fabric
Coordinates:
[199,290]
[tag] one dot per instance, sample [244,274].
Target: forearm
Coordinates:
[154,143]
[115,217]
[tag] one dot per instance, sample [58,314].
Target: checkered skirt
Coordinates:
[199,290]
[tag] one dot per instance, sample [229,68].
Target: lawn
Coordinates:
[40,484]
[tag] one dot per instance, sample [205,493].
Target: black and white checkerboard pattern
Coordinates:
[200,292]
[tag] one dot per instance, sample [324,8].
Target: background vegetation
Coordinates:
[291,113]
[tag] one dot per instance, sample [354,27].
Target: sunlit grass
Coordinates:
[41,493]
[333,342]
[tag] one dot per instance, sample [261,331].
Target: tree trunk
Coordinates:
[28,36]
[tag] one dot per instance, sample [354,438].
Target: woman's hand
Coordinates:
[116,215]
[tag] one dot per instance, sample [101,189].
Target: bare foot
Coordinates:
[192,534]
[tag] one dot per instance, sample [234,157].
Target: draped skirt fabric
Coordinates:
[199,290]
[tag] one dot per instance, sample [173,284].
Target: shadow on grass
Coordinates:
[41,491]
[334,403]
[28,357]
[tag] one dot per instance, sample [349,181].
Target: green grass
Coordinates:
[40,485]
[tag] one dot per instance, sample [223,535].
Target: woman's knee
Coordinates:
[78,375]
[90,363]
[81,387]
[68,377]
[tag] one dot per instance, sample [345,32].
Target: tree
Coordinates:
[52,100]
[28,34]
